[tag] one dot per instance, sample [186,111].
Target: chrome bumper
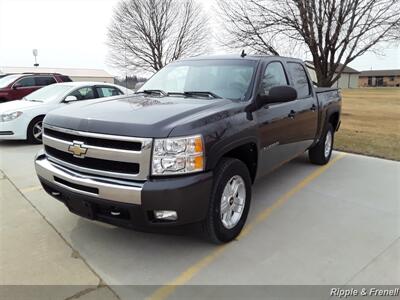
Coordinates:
[109,189]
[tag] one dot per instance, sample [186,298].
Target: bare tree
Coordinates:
[148,34]
[335,32]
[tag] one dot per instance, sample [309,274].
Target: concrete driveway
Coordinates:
[308,225]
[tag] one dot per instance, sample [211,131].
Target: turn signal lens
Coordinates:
[198,162]
[198,145]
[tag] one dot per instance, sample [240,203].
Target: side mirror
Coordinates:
[70,99]
[277,94]
[16,86]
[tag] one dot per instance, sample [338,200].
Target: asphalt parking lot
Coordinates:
[308,225]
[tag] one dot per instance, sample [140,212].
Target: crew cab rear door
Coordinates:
[305,108]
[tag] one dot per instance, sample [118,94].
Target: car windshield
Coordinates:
[216,78]
[48,93]
[6,80]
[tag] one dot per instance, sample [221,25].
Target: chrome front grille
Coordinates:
[99,154]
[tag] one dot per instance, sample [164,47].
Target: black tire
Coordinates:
[215,230]
[32,130]
[317,154]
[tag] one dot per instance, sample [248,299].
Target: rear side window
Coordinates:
[26,82]
[274,75]
[301,83]
[107,91]
[44,80]
[64,78]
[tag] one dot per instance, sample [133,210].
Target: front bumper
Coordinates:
[127,203]
[14,130]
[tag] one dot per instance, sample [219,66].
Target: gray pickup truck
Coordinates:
[187,147]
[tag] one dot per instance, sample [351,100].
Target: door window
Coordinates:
[84,93]
[107,91]
[44,80]
[26,82]
[274,75]
[301,83]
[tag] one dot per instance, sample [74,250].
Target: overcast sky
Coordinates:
[72,33]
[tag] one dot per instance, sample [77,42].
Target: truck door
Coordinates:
[276,124]
[305,108]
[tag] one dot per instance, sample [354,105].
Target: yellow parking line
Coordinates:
[166,290]
[31,189]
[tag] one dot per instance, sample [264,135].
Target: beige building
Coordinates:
[380,78]
[348,79]
[75,74]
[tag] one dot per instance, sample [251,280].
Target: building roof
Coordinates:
[347,69]
[393,72]
[64,71]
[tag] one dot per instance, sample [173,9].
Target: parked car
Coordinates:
[188,146]
[17,86]
[22,119]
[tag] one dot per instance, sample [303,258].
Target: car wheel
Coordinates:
[229,202]
[321,153]
[35,131]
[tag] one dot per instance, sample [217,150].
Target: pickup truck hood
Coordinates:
[16,105]
[139,116]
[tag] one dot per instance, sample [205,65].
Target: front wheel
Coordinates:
[35,131]
[229,202]
[321,153]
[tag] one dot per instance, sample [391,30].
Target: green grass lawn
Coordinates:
[370,122]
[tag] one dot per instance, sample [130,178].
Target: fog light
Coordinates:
[166,215]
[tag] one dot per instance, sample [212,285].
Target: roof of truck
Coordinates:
[237,56]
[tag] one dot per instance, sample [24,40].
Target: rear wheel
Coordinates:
[35,131]
[321,153]
[229,202]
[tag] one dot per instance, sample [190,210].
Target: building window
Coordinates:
[391,78]
[379,81]
[369,80]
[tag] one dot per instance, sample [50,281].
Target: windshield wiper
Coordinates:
[196,93]
[149,92]
[32,100]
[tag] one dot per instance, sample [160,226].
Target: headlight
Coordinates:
[178,155]
[10,116]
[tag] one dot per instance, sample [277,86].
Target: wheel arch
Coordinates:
[40,116]
[245,150]
[333,118]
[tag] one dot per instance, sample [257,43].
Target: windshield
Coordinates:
[225,78]
[6,80]
[48,93]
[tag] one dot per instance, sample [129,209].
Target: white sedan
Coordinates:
[22,119]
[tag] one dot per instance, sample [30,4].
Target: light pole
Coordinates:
[35,54]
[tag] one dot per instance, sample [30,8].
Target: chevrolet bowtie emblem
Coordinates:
[77,149]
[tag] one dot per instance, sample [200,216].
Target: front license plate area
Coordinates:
[81,208]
